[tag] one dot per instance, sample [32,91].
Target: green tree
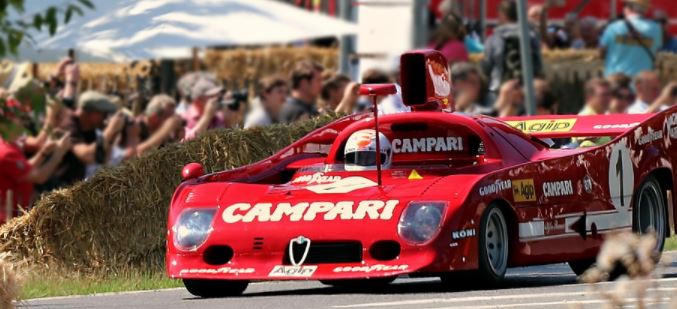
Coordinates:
[13,32]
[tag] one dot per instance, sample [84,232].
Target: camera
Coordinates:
[236,98]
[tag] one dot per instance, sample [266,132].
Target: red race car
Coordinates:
[427,193]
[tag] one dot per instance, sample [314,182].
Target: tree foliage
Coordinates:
[13,32]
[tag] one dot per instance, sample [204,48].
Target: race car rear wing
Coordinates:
[563,126]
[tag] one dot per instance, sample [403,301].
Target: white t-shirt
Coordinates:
[257,117]
[393,104]
[640,107]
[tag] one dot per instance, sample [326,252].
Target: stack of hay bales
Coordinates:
[117,219]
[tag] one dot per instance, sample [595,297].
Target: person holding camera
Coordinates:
[272,95]
[66,79]
[204,111]
[88,147]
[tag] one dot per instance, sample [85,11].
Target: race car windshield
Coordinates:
[363,158]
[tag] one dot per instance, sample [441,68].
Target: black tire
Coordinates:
[360,283]
[649,211]
[215,288]
[579,267]
[493,246]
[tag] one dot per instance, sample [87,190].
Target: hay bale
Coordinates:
[117,219]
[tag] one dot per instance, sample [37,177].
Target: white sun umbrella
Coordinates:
[132,29]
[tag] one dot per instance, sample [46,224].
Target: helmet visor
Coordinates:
[364,158]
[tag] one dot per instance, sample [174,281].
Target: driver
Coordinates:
[360,151]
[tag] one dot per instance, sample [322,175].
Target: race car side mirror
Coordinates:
[377,89]
[192,171]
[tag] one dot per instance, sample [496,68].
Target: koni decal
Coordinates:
[671,125]
[558,188]
[465,233]
[495,187]
[427,144]
[309,211]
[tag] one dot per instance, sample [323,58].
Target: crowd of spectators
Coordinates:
[85,131]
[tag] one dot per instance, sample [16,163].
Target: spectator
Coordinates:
[510,101]
[597,97]
[669,41]
[621,93]
[467,81]
[158,125]
[648,88]
[449,38]
[502,60]
[629,45]
[667,99]
[572,28]
[273,93]
[333,89]
[546,103]
[69,70]
[18,174]
[306,80]
[597,101]
[88,147]
[589,32]
[203,113]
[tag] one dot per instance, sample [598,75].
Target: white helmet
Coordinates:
[360,151]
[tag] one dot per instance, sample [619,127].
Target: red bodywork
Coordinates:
[464,161]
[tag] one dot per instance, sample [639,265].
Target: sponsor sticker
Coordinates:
[345,185]
[293,271]
[671,125]
[545,125]
[222,270]
[650,136]
[427,144]
[558,188]
[587,184]
[317,178]
[369,269]
[309,211]
[615,126]
[495,187]
[554,227]
[465,233]
[523,190]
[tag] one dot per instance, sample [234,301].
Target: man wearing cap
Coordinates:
[203,113]
[629,45]
[88,147]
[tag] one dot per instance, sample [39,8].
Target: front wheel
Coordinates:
[215,288]
[493,246]
[649,212]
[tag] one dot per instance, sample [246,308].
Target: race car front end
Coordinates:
[296,235]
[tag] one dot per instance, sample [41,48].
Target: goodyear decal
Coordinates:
[523,190]
[544,125]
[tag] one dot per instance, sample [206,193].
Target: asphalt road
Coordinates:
[552,286]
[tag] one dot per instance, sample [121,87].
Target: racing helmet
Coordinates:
[360,151]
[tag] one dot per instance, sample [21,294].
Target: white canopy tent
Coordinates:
[147,29]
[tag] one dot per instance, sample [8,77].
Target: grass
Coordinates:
[670,244]
[41,285]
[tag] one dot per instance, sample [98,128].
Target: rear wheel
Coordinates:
[493,246]
[215,288]
[649,212]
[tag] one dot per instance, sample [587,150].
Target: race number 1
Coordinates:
[621,176]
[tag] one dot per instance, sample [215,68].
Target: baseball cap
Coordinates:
[204,88]
[97,102]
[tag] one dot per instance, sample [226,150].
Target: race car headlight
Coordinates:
[193,227]
[421,221]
